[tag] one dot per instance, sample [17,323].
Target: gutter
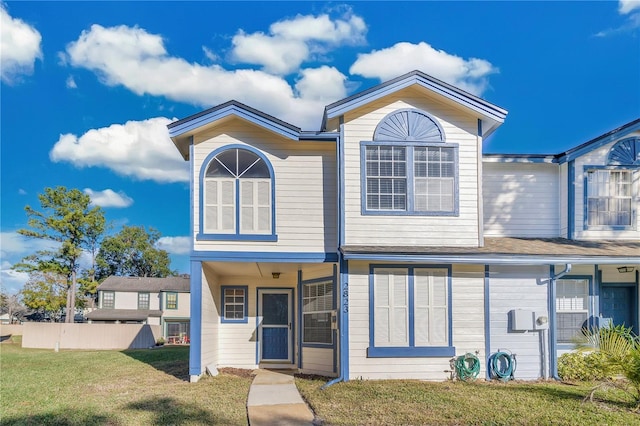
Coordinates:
[552,316]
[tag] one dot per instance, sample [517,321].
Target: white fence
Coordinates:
[88,336]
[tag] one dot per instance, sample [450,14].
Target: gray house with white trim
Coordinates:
[386,243]
[145,300]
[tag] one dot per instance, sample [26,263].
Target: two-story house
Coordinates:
[143,300]
[386,243]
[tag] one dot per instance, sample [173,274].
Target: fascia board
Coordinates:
[484,109]
[213,116]
[572,154]
[496,259]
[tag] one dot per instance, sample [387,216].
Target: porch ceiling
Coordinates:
[259,269]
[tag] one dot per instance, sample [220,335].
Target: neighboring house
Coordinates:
[141,300]
[386,243]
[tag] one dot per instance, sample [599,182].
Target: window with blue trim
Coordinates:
[237,195]
[317,309]
[234,304]
[572,308]
[408,169]
[410,312]
[609,198]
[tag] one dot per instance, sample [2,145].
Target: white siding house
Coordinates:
[386,243]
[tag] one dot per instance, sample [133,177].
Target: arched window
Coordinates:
[237,195]
[408,168]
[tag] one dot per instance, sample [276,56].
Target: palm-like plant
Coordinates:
[621,350]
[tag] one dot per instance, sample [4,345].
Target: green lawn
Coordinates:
[137,387]
[149,387]
[407,402]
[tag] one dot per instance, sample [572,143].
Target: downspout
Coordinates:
[552,318]
[343,289]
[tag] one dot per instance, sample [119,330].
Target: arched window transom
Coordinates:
[409,125]
[625,152]
[237,196]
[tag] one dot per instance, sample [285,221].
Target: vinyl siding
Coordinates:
[129,300]
[184,303]
[305,188]
[564,199]
[317,361]
[594,158]
[412,230]
[521,200]
[468,328]
[514,287]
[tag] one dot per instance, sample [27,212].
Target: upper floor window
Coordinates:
[143,300]
[612,191]
[108,299]
[609,198]
[172,300]
[408,169]
[237,196]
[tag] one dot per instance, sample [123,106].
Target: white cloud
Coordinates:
[71,83]
[626,6]
[22,191]
[293,41]
[137,60]
[470,74]
[175,245]
[15,245]
[140,149]
[108,198]
[324,84]
[12,281]
[19,47]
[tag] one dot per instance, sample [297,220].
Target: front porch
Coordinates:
[265,315]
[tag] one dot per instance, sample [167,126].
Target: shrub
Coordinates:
[579,366]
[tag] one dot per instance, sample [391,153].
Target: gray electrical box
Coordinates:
[522,320]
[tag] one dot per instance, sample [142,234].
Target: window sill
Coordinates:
[411,352]
[236,237]
[238,321]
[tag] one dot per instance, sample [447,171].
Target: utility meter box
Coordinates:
[522,320]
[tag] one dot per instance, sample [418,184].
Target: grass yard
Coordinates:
[408,402]
[149,387]
[137,387]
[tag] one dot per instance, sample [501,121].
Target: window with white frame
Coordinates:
[408,168]
[317,306]
[572,308]
[143,300]
[237,195]
[234,300]
[108,299]
[410,312]
[609,198]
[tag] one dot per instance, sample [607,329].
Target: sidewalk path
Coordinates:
[274,400]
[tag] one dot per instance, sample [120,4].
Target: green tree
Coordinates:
[132,252]
[45,292]
[67,218]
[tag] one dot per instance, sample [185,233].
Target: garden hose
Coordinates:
[502,365]
[467,366]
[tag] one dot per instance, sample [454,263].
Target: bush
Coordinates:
[578,366]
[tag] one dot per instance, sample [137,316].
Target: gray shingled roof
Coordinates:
[533,247]
[122,314]
[156,285]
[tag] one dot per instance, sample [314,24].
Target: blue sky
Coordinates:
[88,87]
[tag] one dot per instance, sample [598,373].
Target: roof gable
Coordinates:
[182,130]
[491,115]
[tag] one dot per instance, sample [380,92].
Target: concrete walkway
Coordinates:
[275,400]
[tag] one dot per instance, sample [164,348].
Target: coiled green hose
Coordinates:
[502,365]
[467,366]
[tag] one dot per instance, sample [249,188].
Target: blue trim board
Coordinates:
[411,350]
[487,318]
[266,257]
[195,326]
[410,180]
[343,318]
[245,318]
[300,318]
[571,195]
[237,235]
